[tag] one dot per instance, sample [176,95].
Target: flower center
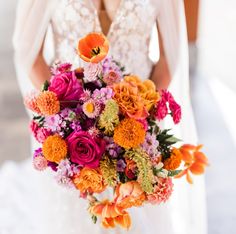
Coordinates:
[96,51]
[90,107]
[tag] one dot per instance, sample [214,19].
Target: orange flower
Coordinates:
[129,133]
[48,103]
[89,180]
[54,148]
[195,161]
[146,89]
[129,194]
[93,47]
[174,161]
[129,101]
[111,214]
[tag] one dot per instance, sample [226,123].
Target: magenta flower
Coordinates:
[175,111]
[161,110]
[67,88]
[84,149]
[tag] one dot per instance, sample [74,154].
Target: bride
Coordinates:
[31,202]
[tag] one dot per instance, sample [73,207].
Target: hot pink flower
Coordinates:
[34,127]
[67,87]
[30,101]
[161,110]
[175,111]
[40,163]
[85,149]
[42,134]
[91,71]
[162,191]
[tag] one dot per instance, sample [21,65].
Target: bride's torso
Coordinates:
[129,33]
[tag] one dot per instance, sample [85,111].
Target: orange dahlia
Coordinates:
[129,133]
[129,194]
[174,161]
[130,102]
[93,47]
[48,103]
[54,149]
[111,214]
[89,180]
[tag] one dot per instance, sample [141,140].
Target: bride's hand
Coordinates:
[160,74]
[40,71]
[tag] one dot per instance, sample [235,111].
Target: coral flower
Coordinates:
[129,194]
[54,148]
[89,180]
[111,214]
[174,161]
[162,191]
[30,101]
[93,48]
[195,161]
[129,133]
[130,102]
[48,103]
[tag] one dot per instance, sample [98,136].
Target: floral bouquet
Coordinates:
[99,128]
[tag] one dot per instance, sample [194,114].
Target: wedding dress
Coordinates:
[32,202]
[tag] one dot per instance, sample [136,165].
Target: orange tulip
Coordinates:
[93,47]
[111,214]
[129,194]
[195,161]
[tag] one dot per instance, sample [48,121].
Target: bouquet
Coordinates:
[99,129]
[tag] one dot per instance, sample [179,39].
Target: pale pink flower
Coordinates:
[42,134]
[40,163]
[91,109]
[112,77]
[162,191]
[30,101]
[92,71]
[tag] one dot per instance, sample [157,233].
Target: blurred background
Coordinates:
[212,36]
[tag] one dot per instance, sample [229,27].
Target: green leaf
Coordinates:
[94,219]
[174,173]
[45,86]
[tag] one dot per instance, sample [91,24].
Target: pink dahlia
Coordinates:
[30,101]
[162,191]
[40,163]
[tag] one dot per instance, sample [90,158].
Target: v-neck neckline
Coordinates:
[112,21]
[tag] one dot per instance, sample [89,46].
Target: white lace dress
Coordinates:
[32,202]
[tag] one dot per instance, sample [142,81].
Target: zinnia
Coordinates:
[89,180]
[93,47]
[54,149]
[129,133]
[48,103]
[84,149]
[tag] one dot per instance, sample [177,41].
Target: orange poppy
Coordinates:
[93,48]
[195,161]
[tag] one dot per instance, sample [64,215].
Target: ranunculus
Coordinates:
[67,87]
[92,71]
[175,111]
[84,149]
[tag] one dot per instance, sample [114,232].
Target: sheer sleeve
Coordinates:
[32,20]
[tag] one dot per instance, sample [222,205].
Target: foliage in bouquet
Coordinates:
[99,128]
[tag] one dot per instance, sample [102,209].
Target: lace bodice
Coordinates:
[129,33]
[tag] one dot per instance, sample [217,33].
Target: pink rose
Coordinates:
[84,149]
[92,71]
[161,110]
[112,77]
[67,87]
[42,134]
[176,112]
